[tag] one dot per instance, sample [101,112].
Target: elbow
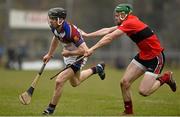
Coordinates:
[106,30]
[108,39]
[109,30]
[105,41]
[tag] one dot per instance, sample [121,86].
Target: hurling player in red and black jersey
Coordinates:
[73,47]
[148,62]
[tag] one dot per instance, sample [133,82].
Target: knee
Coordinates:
[124,83]
[143,92]
[59,82]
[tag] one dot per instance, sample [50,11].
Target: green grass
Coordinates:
[93,97]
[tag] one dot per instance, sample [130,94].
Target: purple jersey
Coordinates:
[68,34]
[70,38]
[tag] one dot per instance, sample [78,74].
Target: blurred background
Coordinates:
[25,35]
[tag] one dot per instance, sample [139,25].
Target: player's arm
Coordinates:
[52,48]
[104,41]
[79,51]
[101,32]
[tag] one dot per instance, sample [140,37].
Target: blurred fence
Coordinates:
[91,15]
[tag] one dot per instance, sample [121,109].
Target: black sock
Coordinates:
[94,70]
[52,106]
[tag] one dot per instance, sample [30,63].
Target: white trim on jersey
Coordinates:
[61,35]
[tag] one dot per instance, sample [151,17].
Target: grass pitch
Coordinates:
[92,98]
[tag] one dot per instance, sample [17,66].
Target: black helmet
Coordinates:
[57,13]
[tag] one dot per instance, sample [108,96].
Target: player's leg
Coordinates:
[60,81]
[81,76]
[133,71]
[151,82]
[76,80]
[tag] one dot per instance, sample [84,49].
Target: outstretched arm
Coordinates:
[52,48]
[101,32]
[104,41]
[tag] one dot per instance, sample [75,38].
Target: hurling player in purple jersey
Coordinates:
[73,47]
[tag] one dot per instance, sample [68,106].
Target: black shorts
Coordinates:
[77,66]
[154,65]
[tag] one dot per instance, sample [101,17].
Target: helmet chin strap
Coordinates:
[123,18]
[60,23]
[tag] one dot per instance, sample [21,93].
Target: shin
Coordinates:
[133,72]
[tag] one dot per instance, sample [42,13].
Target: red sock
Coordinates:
[128,107]
[164,78]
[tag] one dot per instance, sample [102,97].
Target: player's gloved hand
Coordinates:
[46,58]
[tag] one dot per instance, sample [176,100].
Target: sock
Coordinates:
[52,106]
[128,107]
[160,80]
[94,70]
[163,79]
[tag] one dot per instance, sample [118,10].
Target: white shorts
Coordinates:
[72,59]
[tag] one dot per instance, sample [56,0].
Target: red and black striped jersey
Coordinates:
[147,42]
